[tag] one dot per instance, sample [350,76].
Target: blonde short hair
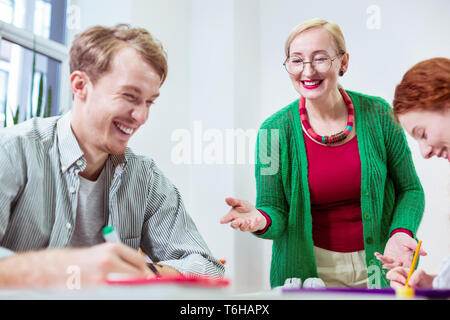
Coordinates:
[93,49]
[331,27]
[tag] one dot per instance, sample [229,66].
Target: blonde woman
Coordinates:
[345,187]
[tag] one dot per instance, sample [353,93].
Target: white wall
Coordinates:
[225,70]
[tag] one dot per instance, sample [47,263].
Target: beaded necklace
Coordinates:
[335,137]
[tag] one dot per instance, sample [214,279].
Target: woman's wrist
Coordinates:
[267,222]
[402,230]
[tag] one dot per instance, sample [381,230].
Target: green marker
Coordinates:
[110,234]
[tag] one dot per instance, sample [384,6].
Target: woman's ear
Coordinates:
[344,62]
[79,84]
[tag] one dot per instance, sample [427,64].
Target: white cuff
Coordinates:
[4,253]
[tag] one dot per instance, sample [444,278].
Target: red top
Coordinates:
[334,175]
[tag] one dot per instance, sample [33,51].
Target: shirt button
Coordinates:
[79,163]
[68,225]
[72,190]
[366,216]
[369,240]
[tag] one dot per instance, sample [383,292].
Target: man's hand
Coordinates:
[99,261]
[243,215]
[399,251]
[419,279]
[50,267]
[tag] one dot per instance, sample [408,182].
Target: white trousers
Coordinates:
[341,269]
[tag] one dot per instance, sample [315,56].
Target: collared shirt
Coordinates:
[39,165]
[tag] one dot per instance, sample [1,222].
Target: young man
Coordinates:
[63,179]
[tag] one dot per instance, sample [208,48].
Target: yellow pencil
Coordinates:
[413,265]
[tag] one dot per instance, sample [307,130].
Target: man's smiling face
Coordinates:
[118,103]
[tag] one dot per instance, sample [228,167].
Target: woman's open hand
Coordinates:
[244,216]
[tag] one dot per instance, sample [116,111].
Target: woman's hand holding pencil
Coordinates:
[399,251]
[403,277]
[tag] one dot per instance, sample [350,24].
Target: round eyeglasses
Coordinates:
[295,64]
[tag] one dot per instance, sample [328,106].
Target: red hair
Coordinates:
[425,87]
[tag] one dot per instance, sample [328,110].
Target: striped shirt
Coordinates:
[39,164]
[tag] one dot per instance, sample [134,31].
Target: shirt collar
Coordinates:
[69,150]
[118,160]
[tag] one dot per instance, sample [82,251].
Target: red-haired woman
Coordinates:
[422,106]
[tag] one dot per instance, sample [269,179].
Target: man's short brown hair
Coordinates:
[93,49]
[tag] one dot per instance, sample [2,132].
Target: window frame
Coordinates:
[50,48]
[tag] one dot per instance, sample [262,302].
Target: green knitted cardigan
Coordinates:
[391,194]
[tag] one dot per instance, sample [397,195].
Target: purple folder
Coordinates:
[425,293]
